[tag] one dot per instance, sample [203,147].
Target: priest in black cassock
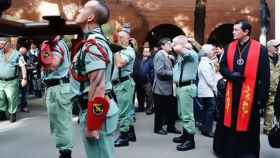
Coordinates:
[245,65]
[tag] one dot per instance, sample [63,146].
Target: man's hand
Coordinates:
[92,134]
[23,82]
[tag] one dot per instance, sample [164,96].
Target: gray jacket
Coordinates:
[163,84]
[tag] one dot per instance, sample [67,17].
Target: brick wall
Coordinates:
[144,15]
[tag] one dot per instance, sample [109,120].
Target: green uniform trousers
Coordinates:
[9,96]
[104,146]
[185,97]
[59,108]
[124,92]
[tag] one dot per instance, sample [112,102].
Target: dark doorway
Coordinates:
[161,31]
[222,35]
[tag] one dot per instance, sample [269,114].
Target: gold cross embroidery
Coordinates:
[245,104]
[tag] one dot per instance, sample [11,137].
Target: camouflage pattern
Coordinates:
[274,80]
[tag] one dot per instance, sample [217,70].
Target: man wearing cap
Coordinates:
[10,62]
[58,94]
[273,52]
[124,87]
[184,76]
[91,83]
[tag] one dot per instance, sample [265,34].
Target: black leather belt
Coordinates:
[8,79]
[185,83]
[120,80]
[84,101]
[55,82]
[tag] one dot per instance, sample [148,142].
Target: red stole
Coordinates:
[248,88]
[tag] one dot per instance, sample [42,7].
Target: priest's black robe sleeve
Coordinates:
[263,82]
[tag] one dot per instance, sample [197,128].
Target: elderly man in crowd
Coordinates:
[207,87]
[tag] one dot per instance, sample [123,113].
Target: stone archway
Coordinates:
[222,35]
[163,30]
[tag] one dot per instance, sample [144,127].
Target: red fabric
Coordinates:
[47,58]
[248,87]
[96,119]
[91,42]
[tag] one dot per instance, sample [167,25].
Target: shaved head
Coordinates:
[124,34]
[99,10]
[94,11]
[124,38]
[180,43]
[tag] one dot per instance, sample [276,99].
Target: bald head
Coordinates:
[180,43]
[124,34]
[100,10]
[93,12]
[5,42]
[22,50]
[124,38]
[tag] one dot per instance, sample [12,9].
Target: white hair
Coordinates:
[5,39]
[272,43]
[206,49]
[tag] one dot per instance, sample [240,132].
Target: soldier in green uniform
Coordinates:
[124,87]
[184,76]
[94,63]
[58,97]
[273,52]
[10,62]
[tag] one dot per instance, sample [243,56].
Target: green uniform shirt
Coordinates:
[190,65]
[93,63]
[63,69]
[9,68]
[128,55]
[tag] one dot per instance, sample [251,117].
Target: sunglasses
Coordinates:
[277,46]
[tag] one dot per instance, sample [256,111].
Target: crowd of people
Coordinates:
[178,79]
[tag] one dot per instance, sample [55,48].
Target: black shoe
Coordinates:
[3,116]
[131,134]
[161,132]
[182,138]
[141,109]
[206,134]
[173,130]
[189,144]
[65,153]
[13,118]
[38,94]
[122,140]
[149,111]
